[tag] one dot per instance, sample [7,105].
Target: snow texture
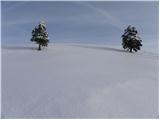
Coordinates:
[78,81]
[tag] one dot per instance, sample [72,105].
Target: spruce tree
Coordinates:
[130,39]
[40,36]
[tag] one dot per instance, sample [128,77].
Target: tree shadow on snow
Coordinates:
[101,48]
[19,48]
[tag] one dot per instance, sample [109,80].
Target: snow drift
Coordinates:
[78,81]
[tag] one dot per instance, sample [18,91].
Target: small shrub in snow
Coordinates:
[40,36]
[130,39]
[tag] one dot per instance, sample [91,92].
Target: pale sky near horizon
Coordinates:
[85,22]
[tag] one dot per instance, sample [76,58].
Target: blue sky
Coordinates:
[76,21]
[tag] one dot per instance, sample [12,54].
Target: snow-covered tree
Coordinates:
[40,36]
[130,39]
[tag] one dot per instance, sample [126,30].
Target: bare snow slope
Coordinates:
[78,81]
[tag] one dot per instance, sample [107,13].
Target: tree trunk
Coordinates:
[130,50]
[39,48]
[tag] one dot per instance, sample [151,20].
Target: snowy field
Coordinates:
[78,81]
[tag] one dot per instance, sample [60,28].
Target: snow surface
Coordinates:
[78,81]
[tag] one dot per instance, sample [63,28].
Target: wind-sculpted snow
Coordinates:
[78,81]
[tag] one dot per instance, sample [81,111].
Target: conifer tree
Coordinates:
[40,36]
[130,39]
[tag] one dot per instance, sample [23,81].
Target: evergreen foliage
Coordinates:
[40,36]
[130,39]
